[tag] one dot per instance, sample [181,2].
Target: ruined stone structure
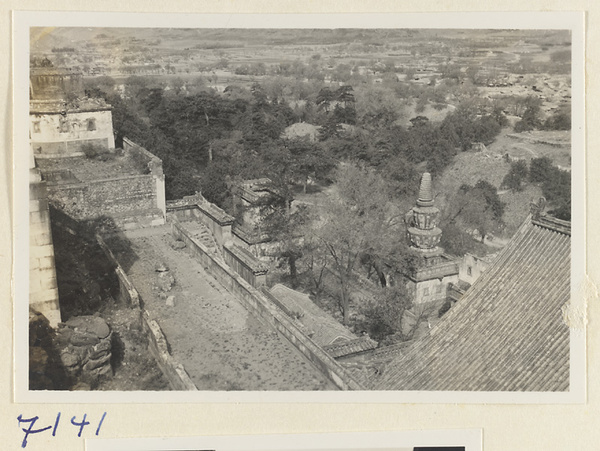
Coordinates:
[508,332]
[430,280]
[128,189]
[51,83]
[62,120]
[247,197]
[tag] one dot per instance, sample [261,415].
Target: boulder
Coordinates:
[165,281]
[93,364]
[161,267]
[81,339]
[91,324]
[95,355]
[69,359]
[177,245]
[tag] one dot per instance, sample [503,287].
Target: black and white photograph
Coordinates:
[315,209]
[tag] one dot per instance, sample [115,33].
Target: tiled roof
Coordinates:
[507,333]
[318,324]
[347,347]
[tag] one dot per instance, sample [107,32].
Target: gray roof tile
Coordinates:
[507,333]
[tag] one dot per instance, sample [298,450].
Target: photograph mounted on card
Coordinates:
[333,209]
[447,440]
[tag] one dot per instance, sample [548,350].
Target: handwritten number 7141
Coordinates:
[30,429]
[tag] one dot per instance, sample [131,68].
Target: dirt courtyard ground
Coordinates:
[220,344]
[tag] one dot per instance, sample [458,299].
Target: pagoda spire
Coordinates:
[422,220]
[425,191]
[428,279]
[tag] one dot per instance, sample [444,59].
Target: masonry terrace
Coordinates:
[221,344]
[125,186]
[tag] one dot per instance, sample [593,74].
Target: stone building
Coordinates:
[472,267]
[251,200]
[62,119]
[127,188]
[429,281]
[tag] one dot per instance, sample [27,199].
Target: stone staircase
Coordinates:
[203,234]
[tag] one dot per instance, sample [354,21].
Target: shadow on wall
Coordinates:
[85,276]
[46,371]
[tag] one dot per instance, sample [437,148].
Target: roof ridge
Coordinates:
[552,223]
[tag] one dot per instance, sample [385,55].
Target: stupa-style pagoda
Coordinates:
[429,281]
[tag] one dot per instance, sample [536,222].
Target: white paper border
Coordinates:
[22,21]
[376,441]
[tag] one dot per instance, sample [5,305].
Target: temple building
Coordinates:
[62,120]
[429,281]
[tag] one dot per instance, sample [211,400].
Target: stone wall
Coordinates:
[66,148]
[129,200]
[264,310]
[43,290]
[155,168]
[127,292]
[173,370]
[246,265]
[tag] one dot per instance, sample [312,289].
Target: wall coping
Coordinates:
[198,201]
[216,214]
[247,259]
[68,185]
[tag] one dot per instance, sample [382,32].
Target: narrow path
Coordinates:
[524,147]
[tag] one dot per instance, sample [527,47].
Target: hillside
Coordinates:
[470,167]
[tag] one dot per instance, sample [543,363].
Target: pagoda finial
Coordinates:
[425,191]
